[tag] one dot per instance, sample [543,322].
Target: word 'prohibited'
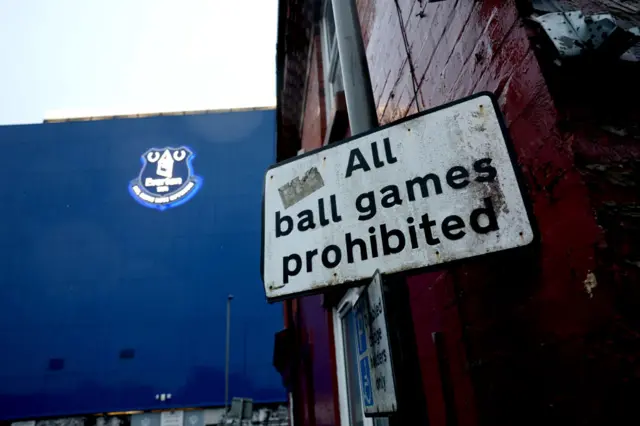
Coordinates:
[434,188]
[375,368]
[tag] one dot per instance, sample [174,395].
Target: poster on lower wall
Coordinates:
[145,419]
[63,421]
[27,423]
[194,418]
[171,418]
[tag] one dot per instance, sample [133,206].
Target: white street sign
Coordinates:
[375,368]
[437,187]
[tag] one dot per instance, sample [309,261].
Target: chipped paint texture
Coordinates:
[600,125]
[525,344]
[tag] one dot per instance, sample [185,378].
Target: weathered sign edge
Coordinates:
[524,193]
[393,370]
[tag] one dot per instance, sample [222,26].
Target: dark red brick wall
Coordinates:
[513,325]
[599,116]
[314,122]
[317,324]
[526,335]
[317,383]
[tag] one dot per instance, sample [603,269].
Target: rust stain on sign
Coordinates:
[300,187]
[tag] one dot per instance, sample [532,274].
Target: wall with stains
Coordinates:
[598,116]
[314,122]
[314,387]
[521,337]
[514,326]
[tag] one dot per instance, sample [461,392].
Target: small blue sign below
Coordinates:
[360,328]
[365,381]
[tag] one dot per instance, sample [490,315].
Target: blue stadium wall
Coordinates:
[106,303]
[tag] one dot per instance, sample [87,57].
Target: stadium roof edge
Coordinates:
[154,114]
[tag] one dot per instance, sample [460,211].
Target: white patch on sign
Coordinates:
[301,187]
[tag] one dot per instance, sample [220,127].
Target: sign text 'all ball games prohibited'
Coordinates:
[435,188]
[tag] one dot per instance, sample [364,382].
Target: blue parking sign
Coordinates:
[365,381]
[360,328]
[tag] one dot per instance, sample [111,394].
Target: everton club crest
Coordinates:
[166,179]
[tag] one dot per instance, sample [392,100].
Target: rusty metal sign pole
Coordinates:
[361,108]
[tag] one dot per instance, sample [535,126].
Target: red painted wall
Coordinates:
[315,381]
[321,357]
[314,121]
[454,49]
[526,334]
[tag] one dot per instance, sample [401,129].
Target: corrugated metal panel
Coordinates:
[105,303]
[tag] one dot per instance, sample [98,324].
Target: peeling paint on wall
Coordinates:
[590,283]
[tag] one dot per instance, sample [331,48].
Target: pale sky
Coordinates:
[97,57]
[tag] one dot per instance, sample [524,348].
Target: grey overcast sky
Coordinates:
[95,57]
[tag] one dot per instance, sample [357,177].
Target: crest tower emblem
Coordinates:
[166,178]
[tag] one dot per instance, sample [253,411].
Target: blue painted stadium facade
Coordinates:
[107,300]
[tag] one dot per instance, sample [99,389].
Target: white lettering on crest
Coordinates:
[163,181]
